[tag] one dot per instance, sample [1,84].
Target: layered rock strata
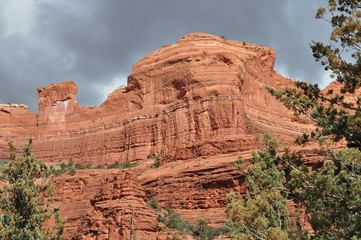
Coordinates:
[17,123]
[197,103]
[105,204]
[202,89]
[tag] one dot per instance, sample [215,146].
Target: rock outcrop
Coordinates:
[197,103]
[202,89]
[16,123]
[102,204]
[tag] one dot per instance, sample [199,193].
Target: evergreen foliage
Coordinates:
[174,222]
[331,194]
[342,55]
[157,163]
[262,212]
[328,195]
[26,199]
[334,114]
[71,168]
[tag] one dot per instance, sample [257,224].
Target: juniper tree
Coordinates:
[330,191]
[334,115]
[262,212]
[26,199]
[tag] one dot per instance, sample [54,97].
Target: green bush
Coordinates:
[23,208]
[151,156]
[153,203]
[157,163]
[100,167]
[72,171]
[3,163]
[123,165]
[70,163]
[114,165]
[129,165]
[63,166]
[204,232]
[173,221]
[79,166]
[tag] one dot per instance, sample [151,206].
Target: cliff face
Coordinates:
[16,123]
[198,103]
[201,89]
[102,204]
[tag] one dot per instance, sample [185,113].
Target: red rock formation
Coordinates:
[100,204]
[197,186]
[198,102]
[202,89]
[16,123]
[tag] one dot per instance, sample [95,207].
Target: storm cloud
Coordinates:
[95,43]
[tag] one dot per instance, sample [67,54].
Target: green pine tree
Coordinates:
[262,212]
[334,115]
[329,193]
[26,199]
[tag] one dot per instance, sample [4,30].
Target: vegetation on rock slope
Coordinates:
[328,195]
[26,199]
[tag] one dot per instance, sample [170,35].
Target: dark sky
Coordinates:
[96,42]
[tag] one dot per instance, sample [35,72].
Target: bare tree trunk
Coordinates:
[131,226]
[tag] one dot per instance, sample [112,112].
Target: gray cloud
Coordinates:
[95,43]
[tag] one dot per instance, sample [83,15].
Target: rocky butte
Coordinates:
[197,103]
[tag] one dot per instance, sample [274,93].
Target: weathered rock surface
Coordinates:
[100,204]
[16,123]
[202,88]
[197,187]
[199,103]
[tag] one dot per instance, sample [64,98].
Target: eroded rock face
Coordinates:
[56,102]
[201,89]
[199,103]
[197,187]
[100,204]
[16,123]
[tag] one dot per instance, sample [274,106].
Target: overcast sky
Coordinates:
[96,42]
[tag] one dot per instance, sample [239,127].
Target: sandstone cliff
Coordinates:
[16,123]
[100,204]
[198,103]
[202,89]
